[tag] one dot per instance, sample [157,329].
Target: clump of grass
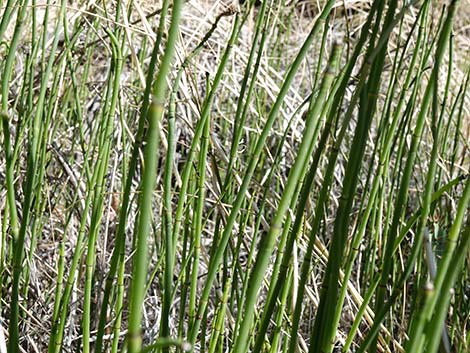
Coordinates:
[237,178]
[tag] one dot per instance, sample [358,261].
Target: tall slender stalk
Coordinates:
[154,115]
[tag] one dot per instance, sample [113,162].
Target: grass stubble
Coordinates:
[252,192]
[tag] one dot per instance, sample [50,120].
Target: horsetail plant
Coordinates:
[226,177]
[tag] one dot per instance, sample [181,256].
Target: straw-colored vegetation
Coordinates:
[214,176]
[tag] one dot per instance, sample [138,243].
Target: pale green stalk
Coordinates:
[154,115]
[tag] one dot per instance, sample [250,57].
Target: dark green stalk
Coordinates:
[324,332]
[7,16]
